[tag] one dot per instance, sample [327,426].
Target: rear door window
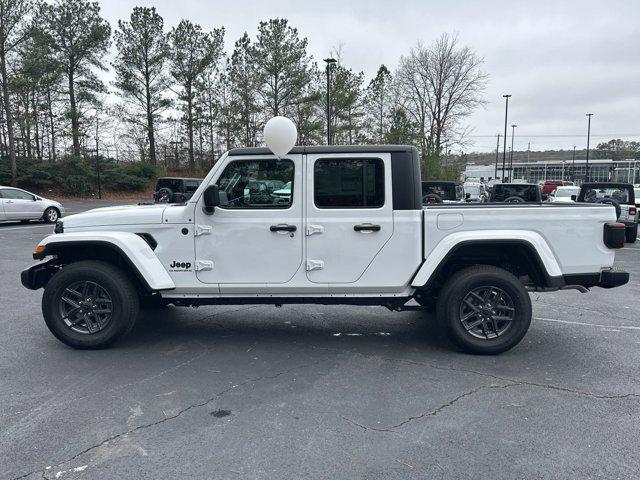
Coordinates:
[349,183]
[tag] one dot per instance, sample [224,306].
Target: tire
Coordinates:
[484,339]
[514,199]
[115,289]
[631,234]
[51,215]
[164,195]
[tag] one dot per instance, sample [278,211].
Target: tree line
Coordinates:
[180,98]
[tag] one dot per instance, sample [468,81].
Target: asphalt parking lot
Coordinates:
[319,392]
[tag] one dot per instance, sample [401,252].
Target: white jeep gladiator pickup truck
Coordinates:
[324,225]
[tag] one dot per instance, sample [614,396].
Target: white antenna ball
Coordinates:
[280,135]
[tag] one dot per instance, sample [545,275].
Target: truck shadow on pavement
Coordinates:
[242,325]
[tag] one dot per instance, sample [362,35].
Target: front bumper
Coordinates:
[38,275]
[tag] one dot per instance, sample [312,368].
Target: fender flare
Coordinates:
[449,244]
[132,248]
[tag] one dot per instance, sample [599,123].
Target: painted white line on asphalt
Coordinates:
[597,325]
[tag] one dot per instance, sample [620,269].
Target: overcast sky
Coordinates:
[559,59]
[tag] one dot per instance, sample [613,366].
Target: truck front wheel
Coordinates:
[89,304]
[484,310]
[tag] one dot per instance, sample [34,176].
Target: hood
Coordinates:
[120,215]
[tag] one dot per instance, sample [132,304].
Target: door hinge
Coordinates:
[203,265]
[314,265]
[202,230]
[311,229]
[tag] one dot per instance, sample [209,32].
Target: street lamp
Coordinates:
[329,61]
[513,132]
[504,152]
[588,138]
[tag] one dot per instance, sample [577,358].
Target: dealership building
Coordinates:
[602,170]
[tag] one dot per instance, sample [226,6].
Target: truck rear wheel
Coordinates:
[484,310]
[90,304]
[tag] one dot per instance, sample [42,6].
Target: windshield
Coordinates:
[473,190]
[444,191]
[636,193]
[529,193]
[566,192]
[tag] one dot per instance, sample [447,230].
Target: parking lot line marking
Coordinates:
[625,327]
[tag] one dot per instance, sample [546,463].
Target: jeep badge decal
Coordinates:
[177,265]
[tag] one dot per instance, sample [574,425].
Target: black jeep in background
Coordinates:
[516,193]
[175,189]
[438,191]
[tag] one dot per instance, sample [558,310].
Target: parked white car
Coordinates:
[18,204]
[564,194]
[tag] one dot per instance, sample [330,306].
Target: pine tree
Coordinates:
[79,38]
[192,52]
[141,75]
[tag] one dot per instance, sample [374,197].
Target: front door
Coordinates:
[349,214]
[255,235]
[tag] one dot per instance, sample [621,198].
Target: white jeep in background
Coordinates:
[350,230]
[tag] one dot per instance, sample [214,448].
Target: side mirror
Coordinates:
[467,196]
[36,198]
[574,197]
[211,198]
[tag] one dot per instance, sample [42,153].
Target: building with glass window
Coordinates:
[601,170]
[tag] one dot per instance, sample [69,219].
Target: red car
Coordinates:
[549,186]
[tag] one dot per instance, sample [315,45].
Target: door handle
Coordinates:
[366,227]
[9,201]
[283,228]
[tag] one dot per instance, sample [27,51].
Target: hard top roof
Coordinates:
[311,149]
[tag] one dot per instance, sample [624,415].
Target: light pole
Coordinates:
[495,173]
[330,61]
[504,151]
[513,132]
[588,138]
[573,164]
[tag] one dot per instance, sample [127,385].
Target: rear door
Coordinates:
[349,214]
[20,205]
[254,236]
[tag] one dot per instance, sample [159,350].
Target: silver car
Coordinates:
[18,204]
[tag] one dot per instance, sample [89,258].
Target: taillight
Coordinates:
[614,235]
[632,210]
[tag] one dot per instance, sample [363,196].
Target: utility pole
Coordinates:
[588,138]
[495,173]
[330,61]
[573,164]
[513,132]
[504,152]
[528,151]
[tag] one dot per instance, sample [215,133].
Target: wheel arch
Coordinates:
[522,257]
[127,251]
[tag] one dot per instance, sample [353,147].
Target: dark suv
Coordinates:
[175,189]
[516,193]
[438,191]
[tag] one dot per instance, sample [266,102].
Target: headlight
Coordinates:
[59,228]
